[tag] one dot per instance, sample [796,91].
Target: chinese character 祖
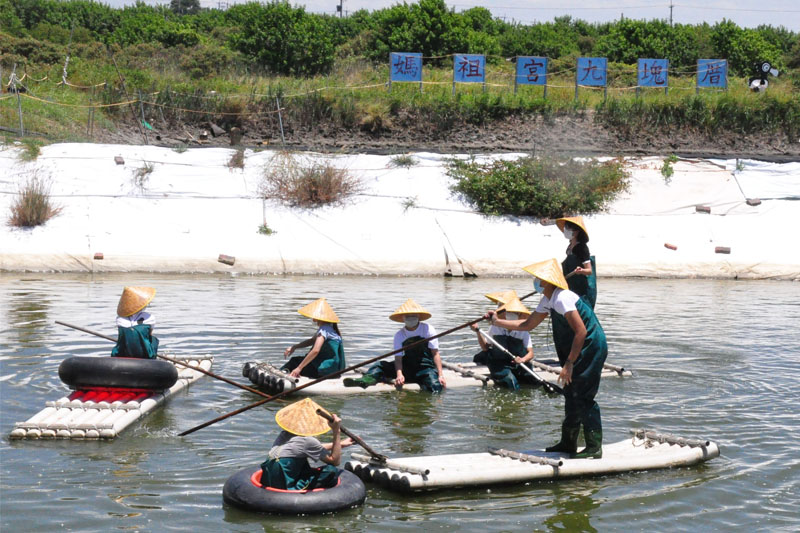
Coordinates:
[470,68]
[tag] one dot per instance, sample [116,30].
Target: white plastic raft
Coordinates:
[269,378]
[102,414]
[646,450]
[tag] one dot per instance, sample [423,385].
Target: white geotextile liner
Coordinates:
[193,208]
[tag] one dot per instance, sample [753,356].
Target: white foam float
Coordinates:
[271,379]
[646,450]
[102,414]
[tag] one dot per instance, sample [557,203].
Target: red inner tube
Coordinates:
[255,479]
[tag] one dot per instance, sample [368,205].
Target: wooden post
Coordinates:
[125,89]
[14,88]
[280,120]
[141,110]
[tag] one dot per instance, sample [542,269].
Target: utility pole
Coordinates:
[340,8]
[671,5]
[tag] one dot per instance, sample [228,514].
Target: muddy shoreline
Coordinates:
[569,135]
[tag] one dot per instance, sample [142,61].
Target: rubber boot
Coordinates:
[362,382]
[594,445]
[569,441]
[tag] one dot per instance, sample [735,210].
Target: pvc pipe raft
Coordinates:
[95,414]
[645,451]
[270,379]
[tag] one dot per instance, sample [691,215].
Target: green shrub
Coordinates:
[539,187]
[32,206]
[403,161]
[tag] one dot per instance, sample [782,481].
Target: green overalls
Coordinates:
[501,367]
[579,405]
[136,341]
[294,473]
[418,367]
[329,359]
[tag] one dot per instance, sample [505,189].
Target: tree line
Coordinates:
[278,38]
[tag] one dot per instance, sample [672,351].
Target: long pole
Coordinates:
[546,384]
[173,361]
[323,378]
[127,97]
[379,457]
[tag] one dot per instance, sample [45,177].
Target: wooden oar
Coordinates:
[546,384]
[327,376]
[173,361]
[375,455]
[534,292]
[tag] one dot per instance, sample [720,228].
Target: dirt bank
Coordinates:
[574,134]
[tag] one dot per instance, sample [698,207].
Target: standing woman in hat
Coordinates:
[327,351]
[420,364]
[505,371]
[135,325]
[578,260]
[287,466]
[581,353]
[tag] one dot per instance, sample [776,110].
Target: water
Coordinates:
[712,359]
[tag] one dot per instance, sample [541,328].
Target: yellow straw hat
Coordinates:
[578,221]
[319,310]
[410,308]
[301,418]
[501,297]
[134,299]
[515,306]
[549,271]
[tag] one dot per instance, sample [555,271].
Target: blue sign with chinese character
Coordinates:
[405,66]
[531,70]
[469,68]
[653,73]
[712,73]
[591,71]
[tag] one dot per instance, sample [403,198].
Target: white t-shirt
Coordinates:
[135,319]
[423,330]
[562,302]
[522,335]
[326,331]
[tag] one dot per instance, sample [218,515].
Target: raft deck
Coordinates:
[270,379]
[646,450]
[96,414]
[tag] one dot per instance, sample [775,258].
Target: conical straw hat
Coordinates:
[134,299]
[301,418]
[578,221]
[549,271]
[410,308]
[515,306]
[501,297]
[319,310]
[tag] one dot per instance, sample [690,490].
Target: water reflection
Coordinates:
[573,510]
[410,420]
[28,312]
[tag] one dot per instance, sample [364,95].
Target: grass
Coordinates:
[264,229]
[666,169]
[141,176]
[170,98]
[236,160]
[31,148]
[294,182]
[403,161]
[32,207]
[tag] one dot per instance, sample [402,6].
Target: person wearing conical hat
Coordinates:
[581,352]
[579,261]
[287,465]
[135,325]
[505,371]
[419,363]
[327,349]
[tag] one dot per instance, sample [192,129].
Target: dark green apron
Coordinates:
[136,341]
[583,286]
[294,473]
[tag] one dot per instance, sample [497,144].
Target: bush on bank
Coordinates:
[539,186]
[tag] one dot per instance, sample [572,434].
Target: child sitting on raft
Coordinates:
[420,364]
[135,325]
[327,351]
[504,370]
[287,466]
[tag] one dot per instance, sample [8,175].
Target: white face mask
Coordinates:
[411,321]
[537,286]
[568,233]
[512,316]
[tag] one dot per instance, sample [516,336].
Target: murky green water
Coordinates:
[713,359]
